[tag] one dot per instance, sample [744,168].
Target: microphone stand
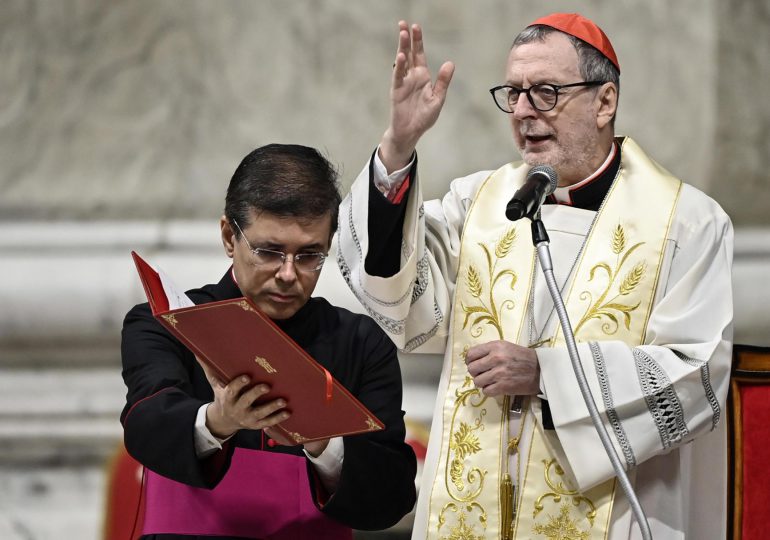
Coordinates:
[541,241]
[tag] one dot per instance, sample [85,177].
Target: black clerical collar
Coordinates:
[590,193]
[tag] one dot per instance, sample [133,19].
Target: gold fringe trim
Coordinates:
[506,501]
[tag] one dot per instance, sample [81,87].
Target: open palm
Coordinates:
[416,101]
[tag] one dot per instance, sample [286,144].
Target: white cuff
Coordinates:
[385,183]
[328,464]
[205,443]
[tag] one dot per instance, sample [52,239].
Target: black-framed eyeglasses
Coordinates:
[543,97]
[270,258]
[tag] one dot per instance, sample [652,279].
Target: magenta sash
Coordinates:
[264,495]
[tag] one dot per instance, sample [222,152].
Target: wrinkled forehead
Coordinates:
[554,59]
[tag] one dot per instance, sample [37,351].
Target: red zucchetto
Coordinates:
[582,28]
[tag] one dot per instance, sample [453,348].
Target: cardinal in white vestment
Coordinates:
[642,260]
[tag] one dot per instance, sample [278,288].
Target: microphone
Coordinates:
[541,182]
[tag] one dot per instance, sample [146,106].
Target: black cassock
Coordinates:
[166,387]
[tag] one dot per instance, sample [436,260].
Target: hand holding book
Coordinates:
[234,338]
[236,405]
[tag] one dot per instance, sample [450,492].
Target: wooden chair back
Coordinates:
[749,444]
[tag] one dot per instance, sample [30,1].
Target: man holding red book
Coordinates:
[215,468]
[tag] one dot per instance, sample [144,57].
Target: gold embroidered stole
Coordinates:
[610,298]
[490,302]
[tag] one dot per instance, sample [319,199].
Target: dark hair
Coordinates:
[593,65]
[287,180]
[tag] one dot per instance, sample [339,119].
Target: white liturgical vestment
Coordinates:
[662,401]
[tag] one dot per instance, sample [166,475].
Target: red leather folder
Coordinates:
[234,337]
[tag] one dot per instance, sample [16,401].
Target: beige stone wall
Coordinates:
[142,109]
[122,120]
[741,177]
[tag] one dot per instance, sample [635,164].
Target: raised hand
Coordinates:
[416,100]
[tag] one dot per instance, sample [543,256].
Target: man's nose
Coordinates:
[287,271]
[524,107]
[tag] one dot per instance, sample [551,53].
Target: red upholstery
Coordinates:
[124,507]
[749,432]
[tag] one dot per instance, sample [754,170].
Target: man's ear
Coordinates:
[608,104]
[228,236]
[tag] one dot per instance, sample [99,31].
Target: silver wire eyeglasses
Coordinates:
[543,97]
[304,262]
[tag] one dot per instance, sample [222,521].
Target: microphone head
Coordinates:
[545,174]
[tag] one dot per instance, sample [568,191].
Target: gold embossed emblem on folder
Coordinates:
[171,319]
[265,365]
[246,306]
[298,439]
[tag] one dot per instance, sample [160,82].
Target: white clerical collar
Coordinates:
[563,195]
